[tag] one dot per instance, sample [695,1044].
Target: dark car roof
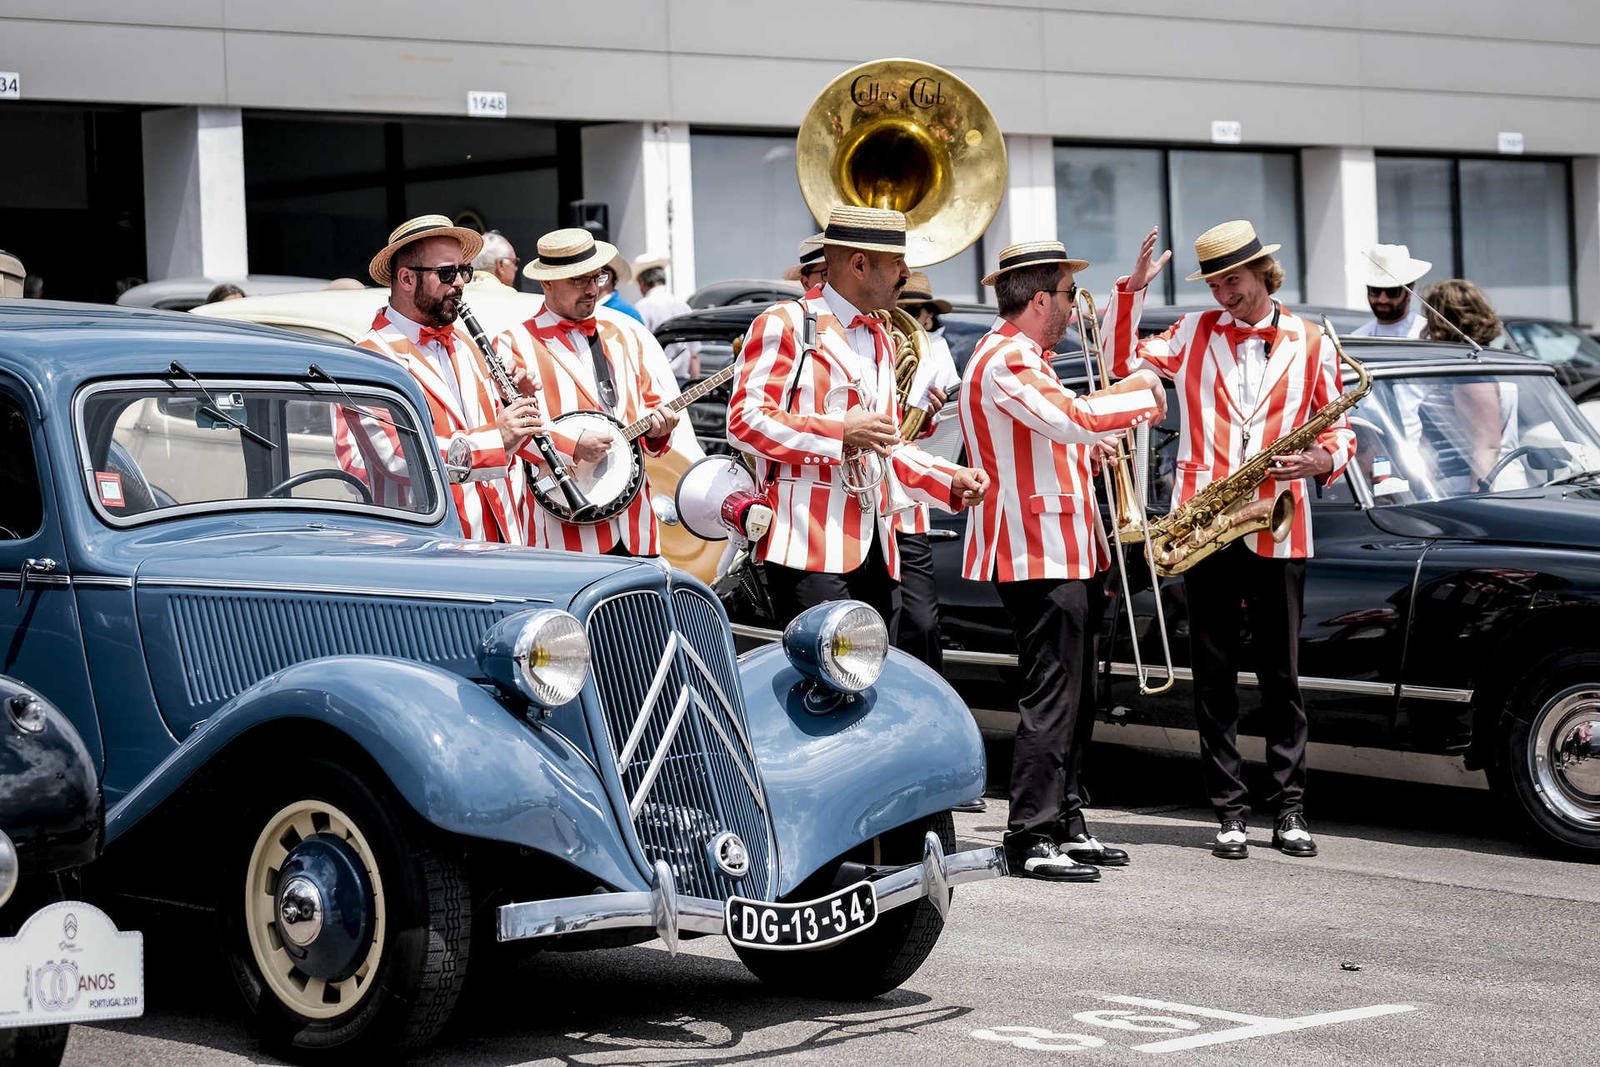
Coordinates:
[81,341]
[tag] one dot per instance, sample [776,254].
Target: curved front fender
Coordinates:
[904,749]
[464,762]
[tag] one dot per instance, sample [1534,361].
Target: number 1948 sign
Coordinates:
[486,105]
[70,964]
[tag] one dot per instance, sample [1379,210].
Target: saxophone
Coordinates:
[1227,509]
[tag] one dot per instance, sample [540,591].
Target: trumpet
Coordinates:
[1127,505]
[862,470]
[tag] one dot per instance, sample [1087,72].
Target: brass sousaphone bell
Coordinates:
[906,135]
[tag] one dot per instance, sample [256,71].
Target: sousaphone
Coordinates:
[906,135]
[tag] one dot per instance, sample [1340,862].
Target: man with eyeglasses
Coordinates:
[426,264]
[1389,269]
[812,269]
[585,357]
[1037,539]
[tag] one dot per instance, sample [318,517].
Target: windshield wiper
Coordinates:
[214,408]
[1569,479]
[317,372]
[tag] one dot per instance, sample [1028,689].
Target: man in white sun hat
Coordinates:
[1389,269]
[426,264]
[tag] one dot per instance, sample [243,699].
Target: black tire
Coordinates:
[1545,800]
[421,956]
[880,958]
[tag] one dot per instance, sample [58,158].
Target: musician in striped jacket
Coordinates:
[584,357]
[1038,539]
[426,264]
[823,545]
[1246,373]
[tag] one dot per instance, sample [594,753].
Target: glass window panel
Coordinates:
[1515,236]
[318,235]
[956,278]
[749,214]
[443,143]
[1212,187]
[278,149]
[1414,209]
[1106,201]
[522,204]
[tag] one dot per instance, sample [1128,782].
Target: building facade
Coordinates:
[222,137]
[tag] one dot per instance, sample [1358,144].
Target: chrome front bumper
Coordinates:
[671,914]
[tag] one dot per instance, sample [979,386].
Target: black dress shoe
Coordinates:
[976,807]
[1043,859]
[1230,843]
[1292,837]
[1085,849]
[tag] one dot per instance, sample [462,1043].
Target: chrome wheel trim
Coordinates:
[1563,760]
[312,997]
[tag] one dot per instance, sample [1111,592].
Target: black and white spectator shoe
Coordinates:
[1292,837]
[1085,849]
[1043,859]
[1230,842]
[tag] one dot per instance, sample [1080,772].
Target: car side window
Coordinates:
[21,506]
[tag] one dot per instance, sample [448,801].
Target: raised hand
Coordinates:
[1144,272]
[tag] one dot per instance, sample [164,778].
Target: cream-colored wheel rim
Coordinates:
[312,997]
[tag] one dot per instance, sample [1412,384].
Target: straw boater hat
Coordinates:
[919,291]
[1031,253]
[1224,247]
[1392,265]
[873,229]
[649,261]
[567,254]
[621,273]
[417,229]
[809,252]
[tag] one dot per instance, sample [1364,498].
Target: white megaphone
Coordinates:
[717,498]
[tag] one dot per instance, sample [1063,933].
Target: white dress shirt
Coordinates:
[1410,326]
[939,370]
[434,351]
[862,341]
[1247,381]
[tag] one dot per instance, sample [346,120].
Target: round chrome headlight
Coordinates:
[541,654]
[841,644]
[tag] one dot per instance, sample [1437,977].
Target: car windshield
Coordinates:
[1437,437]
[151,450]
[1556,343]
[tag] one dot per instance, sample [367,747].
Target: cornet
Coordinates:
[862,470]
[1126,501]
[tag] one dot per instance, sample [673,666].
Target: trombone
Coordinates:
[1126,501]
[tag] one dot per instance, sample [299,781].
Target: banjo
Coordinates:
[610,483]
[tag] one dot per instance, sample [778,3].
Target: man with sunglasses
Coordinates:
[426,264]
[586,357]
[1389,269]
[1036,537]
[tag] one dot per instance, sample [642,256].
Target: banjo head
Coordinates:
[609,483]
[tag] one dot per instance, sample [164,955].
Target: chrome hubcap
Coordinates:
[1564,752]
[300,911]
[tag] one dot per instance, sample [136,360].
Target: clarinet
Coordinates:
[577,503]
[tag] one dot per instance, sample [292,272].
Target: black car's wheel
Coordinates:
[879,958]
[345,933]
[1548,763]
[32,1046]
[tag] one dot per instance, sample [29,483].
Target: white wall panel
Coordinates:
[114,63]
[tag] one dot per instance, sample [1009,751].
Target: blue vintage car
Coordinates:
[233,564]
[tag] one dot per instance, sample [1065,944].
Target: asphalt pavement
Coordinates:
[1424,933]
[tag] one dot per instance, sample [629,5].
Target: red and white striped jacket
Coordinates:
[1301,375]
[1033,435]
[489,503]
[817,524]
[559,361]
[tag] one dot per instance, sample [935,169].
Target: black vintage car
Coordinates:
[1452,635]
[51,819]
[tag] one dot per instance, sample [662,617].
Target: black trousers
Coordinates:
[1224,591]
[915,626]
[1055,621]
[793,591]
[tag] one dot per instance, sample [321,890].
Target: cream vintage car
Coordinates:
[344,315]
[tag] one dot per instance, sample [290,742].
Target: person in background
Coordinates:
[656,305]
[224,291]
[495,268]
[618,274]
[1389,270]
[812,270]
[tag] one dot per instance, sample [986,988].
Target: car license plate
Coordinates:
[760,924]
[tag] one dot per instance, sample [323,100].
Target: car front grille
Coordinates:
[674,718]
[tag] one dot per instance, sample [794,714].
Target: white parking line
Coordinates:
[1256,1027]
[1189,1009]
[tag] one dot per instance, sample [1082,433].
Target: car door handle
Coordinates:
[32,566]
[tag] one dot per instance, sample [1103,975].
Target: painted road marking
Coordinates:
[1038,1039]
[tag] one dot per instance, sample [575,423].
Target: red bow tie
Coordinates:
[1237,333]
[445,335]
[585,327]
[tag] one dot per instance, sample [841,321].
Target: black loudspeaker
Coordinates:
[591,215]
